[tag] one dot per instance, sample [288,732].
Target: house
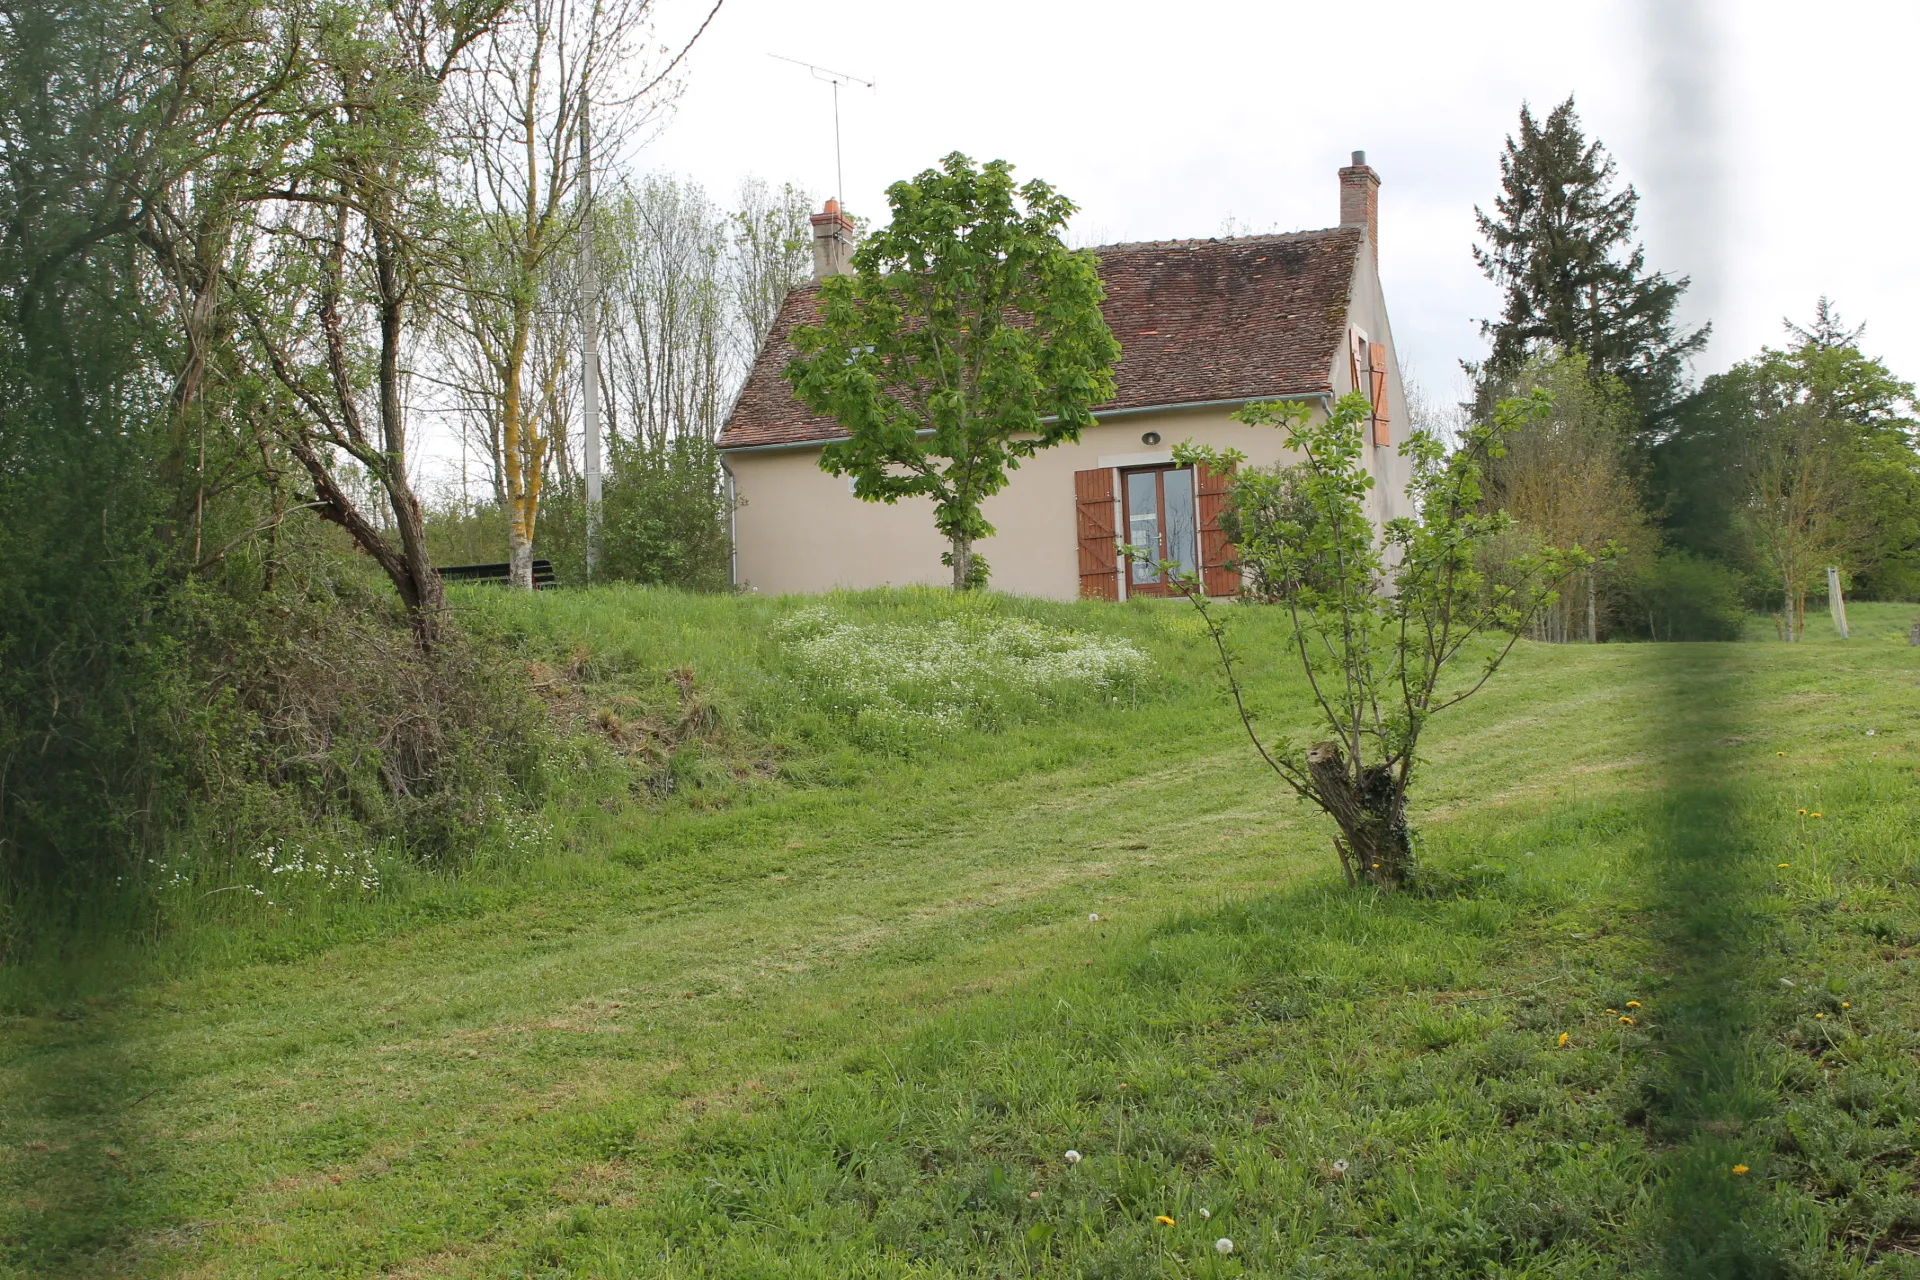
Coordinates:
[1205,326]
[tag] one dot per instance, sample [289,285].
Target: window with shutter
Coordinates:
[1099,539]
[1217,573]
[1377,368]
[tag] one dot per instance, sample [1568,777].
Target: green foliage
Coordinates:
[664,518]
[1820,397]
[1379,616]
[1681,596]
[87,529]
[1561,247]
[967,339]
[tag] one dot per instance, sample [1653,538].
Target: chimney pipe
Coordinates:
[832,242]
[1360,199]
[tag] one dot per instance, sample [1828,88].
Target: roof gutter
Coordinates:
[1324,397]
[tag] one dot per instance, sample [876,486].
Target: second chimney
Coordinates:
[832,242]
[1360,199]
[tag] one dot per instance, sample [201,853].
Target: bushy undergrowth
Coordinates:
[312,754]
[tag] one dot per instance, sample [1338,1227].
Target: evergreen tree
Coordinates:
[1561,244]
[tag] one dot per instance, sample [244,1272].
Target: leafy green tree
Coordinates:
[92,121]
[1390,626]
[663,518]
[968,338]
[1813,436]
[1560,244]
[1565,478]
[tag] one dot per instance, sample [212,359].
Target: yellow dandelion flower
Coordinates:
[1739,1169]
[1818,1016]
[1845,1005]
[1613,1011]
[1779,753]
[1814,814]
[1164,1220]
[1564,1037]
[1624,1018]
[1802,812]
[1633,1004]
[1784,865]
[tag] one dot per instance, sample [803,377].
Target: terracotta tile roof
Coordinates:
[1197,320]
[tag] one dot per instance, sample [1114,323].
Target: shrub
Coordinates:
[1682,596]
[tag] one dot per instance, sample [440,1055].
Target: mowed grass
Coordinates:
[832,1010]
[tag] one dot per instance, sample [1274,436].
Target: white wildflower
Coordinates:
[1073,1157]
[1223,1246]
[934,677]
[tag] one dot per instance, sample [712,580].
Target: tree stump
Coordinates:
[1373,843]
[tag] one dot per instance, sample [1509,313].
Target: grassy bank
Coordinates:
[812,996]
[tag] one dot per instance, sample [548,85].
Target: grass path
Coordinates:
[426,1103]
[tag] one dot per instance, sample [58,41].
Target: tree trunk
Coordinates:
[1786,611]
[519,557]
[426,599]
[1593,623]
[962,557]
[1374,844]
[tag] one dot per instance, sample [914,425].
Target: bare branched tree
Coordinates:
[1565,480]
[541,76]
[346,268]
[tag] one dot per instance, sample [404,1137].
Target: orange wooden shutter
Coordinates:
[1099,540]
[1377,360]
[1216,554]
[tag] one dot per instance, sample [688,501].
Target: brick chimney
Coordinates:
[1360,199]
[832,242]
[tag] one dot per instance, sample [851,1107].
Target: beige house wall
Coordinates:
[800,530]
[1367,313]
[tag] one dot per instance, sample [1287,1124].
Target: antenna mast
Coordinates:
[836,79]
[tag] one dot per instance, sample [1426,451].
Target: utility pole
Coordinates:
[590,340]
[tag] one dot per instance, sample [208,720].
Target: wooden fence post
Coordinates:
[1836,603]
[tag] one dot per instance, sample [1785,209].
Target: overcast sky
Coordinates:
[1773,144]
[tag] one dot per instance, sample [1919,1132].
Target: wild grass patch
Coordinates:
[931,677]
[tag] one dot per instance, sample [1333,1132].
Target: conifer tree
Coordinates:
[1561,245]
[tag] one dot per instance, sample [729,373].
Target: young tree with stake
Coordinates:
[968,338]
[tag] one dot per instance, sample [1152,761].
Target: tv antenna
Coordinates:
[836,79]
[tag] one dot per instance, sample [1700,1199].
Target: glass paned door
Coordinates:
[1160,521]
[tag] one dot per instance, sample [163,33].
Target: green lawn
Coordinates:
[818,1003]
